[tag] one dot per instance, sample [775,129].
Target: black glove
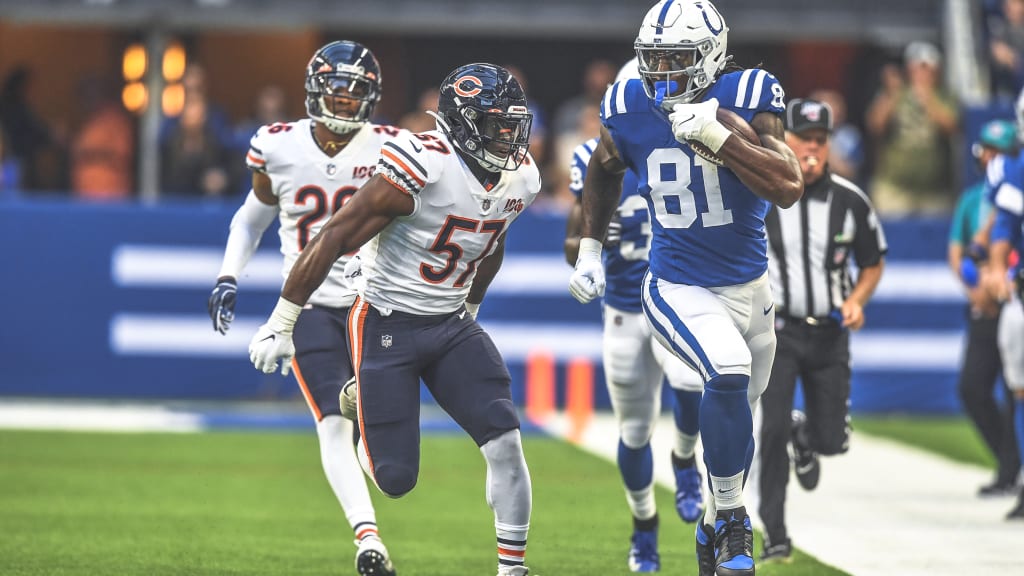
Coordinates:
[613,236]
[222,303]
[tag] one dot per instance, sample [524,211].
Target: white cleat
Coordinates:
[513,570]
[372,559]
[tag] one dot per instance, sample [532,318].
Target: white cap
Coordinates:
[924,52]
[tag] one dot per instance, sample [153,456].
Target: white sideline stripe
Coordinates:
[119,418]
[193,335]
[136,266]
[920,509]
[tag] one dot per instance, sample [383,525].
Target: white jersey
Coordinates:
[310,186]
[424,263]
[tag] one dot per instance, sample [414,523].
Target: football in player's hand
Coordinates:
[736,124]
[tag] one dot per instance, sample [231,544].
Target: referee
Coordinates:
[818,302]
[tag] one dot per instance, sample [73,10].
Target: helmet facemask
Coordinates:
[497,140]
[665,69]
[341,101]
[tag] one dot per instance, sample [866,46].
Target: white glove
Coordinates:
[699,122]
[273,340]
[354,273]
[587,280]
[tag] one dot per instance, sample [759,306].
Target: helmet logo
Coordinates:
[718,17]
[467,86]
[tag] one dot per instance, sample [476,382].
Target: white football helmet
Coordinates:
[681,39]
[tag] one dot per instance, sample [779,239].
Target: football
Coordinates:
[736,124]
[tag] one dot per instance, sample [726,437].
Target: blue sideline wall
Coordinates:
[110,302]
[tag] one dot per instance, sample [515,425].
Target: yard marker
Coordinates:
[540,385]
[579,396]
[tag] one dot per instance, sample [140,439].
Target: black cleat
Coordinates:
[805,461]
[1018,510]
[781,553]
[734,543]
[705,550]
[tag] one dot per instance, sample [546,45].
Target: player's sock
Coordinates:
[637,468]
[687,417]
[1018,424]
[338,457]
[364,530]
[509,494]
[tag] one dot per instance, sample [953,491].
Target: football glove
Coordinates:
[348,400]
[268,346]
[969,272]
[613,236]
[587,280]
[221,304]
[699,122]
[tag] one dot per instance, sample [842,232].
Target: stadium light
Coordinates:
[133,69]
[174,62]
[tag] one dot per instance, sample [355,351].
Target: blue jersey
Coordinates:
[708,227]
[626,263]
[1007,193]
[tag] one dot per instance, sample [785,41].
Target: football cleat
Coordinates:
[781,553]
[643,551]
[513,570]
[705,550]
[1018,510]
[372,558]
[347,399]
[689,498]
[734,543]
[805,461]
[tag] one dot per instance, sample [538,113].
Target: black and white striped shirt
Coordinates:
[809,246]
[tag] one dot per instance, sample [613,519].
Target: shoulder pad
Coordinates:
[262,144]
[753,89]
[622,97]
[405,160]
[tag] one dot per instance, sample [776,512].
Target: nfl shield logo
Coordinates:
[331,169]
[486,204]
[385,341]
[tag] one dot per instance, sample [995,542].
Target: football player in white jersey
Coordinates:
[433,220]
[304,171]
[706,295]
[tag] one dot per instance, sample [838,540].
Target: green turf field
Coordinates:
[952,437]
[257,504]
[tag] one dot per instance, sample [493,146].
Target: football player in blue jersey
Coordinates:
[706,295]
[634,366]
[1005,188]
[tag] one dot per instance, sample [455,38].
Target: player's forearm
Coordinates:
[571,245]
[485,274]
[770,172]
[313,265]
[601,192]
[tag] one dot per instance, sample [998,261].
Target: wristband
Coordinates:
[590,248]
[282,319]
[714,135]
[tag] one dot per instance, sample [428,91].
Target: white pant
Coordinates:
[722,330]
[1011,343]
[634,365]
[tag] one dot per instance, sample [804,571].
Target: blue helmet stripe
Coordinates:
[661,17]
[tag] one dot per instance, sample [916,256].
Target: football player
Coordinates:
[435,215]
[634,366]
[1005,182]
[706,294]
[302,172]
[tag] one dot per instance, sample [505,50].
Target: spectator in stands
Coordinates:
[597,75]
[846,155]
[10,177]
[559,199]
[910,121]
[1006,47]
[29,136]
[268,108]
[981,364]
[195,87]
[103,150]
[195,163]
[417,120]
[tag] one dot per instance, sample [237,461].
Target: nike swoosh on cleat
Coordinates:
[769,308]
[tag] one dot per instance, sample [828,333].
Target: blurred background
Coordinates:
[125,123]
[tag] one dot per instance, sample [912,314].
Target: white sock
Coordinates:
[728,491]
[509,494]
[343,472]
[685,444]
[641,502]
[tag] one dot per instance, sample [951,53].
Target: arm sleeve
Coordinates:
[247,227]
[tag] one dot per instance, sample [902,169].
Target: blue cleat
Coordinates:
[734,543]
[689,497]
[643,553]
[705,550]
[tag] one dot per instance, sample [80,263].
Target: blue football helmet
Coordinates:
[482,108]
[339,73]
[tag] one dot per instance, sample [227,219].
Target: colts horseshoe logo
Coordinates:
[467,86]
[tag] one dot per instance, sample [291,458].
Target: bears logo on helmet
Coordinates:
[337,75]
[483,110]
